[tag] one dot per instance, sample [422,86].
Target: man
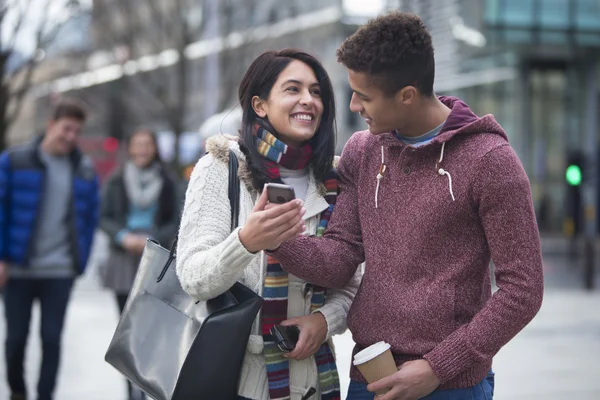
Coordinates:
[429,194]
[48,214]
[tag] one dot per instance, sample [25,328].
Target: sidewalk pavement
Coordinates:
[556,357]
[90,322]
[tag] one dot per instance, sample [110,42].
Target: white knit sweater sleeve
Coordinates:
[337,304]
[210,258]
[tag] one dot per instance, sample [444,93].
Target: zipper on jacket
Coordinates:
[36,224]
[73,229]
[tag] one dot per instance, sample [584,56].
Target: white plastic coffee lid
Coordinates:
[370,352]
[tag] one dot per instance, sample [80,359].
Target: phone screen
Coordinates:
[290,333]
[286,337]
[279,194]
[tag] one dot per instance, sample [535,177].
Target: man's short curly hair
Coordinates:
[70,108]
[395,49]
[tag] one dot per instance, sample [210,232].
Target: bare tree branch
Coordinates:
[153,27]
[19,94]
[4,10]
[157,15]
[133,32]
[22,12]
[16,89]
[111,35]
[156,89]
[44,39]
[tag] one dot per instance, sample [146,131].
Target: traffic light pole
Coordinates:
[590,190]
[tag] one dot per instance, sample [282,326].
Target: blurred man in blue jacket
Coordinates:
[48,214]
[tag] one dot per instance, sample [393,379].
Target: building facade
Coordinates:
[541,62]
[531,63]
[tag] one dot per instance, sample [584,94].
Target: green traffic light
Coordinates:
[573,175]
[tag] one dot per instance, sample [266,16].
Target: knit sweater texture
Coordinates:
[443,212]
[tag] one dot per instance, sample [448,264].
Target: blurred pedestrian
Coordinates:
[287,136]
[48,215]
[140,201]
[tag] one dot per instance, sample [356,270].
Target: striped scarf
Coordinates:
[275,293]
[278,153]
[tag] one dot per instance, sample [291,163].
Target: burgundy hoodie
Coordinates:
[427,234]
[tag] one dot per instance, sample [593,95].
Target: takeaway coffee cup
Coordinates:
[375,363]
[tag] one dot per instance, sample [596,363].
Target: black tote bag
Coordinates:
[177,348]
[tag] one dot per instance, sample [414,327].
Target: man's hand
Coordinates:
[267,229]
[3,273]
[313,333]
[414,379]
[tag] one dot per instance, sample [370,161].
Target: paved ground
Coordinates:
[556,357]
[91,320]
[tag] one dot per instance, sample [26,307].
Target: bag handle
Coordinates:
[233,194]
[234,189]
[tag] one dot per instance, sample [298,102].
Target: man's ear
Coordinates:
[407,95]
[259,106]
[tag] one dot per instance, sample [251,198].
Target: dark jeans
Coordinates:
[482,391]
[19,294]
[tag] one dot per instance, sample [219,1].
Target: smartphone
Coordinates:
[285,337]
[279,194]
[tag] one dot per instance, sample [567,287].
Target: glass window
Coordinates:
[518,36]
[553,37]
[517,12]
[588,39]
[554,14]
[587,14]
[548,143]
[492,10]
[551,125]
[551,14]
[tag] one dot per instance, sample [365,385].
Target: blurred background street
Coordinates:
[175,66]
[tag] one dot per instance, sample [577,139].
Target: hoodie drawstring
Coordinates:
[443,172]
[440,170]
[382,169]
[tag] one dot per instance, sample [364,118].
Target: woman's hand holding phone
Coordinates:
[267,229]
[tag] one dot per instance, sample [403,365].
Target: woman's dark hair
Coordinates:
[258,81]
[146,131]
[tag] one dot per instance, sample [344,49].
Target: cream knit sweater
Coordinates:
[210,259]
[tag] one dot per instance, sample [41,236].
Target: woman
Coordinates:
[140,201]
[287,136]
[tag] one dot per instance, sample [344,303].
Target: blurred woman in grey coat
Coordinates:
[140,201]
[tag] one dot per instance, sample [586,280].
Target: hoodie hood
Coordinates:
[462,121]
